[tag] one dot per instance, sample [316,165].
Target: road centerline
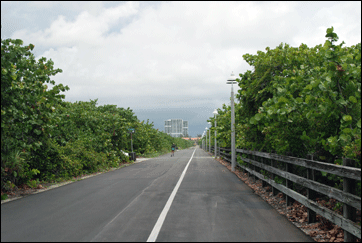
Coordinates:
[156,229]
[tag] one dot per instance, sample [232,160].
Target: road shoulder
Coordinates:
[20,193]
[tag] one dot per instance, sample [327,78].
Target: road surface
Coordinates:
[188,197]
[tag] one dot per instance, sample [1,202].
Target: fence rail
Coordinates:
[260,164]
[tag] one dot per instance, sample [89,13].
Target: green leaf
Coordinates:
[252,120]
[38,132]
[347,118]
[258,116]
[280,90]
[304,136]
[330,30]
[308,99]
[282,100]
[342,101]
[359,123]
[18,42]
[347,130]
[332,140]
[344,137]
[310,87]
[308,114]
[353,99]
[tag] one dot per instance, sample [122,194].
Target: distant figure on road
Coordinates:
[173,148]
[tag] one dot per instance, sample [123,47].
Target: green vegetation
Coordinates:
[45,138]
[299,101]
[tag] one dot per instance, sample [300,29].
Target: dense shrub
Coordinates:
[299,101]
[27,107]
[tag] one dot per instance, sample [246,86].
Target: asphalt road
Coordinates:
[210,204]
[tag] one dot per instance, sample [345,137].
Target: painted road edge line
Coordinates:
[161,218]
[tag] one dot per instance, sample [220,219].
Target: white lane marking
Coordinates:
[161,218]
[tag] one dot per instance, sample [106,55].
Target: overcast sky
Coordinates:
[167,59]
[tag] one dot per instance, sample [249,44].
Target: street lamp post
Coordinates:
[206,140]
[202,137]
[203,141]
[232,80]
[215,145]
[210,138]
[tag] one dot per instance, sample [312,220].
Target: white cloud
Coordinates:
[345,17]
[170,54]
[87,29]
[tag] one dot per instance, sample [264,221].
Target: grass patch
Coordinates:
[4,196]
[155,154]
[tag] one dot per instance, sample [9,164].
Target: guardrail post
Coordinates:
[248,165]
[253,168]
[349,212]
[273,163]
[244,163]
[311,194]
[288,184]
[263,183]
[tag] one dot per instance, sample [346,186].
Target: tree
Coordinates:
[27,106]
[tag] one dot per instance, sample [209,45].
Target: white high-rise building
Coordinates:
[177,127]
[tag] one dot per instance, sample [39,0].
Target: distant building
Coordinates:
[177,128]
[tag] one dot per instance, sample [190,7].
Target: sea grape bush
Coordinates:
[27,107]
[299,101]
[44,137]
